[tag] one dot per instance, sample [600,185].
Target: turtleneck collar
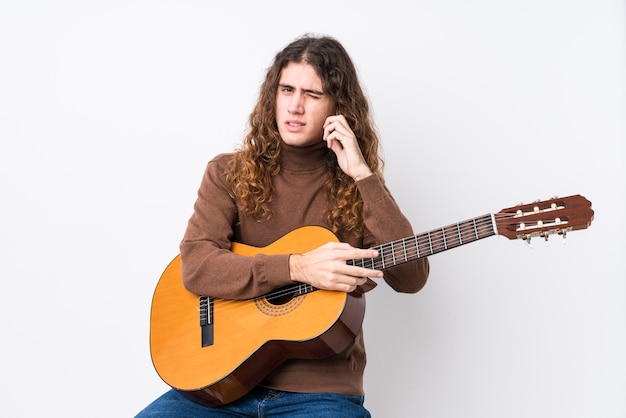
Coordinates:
[303,158]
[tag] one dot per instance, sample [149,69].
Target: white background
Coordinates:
[109,111]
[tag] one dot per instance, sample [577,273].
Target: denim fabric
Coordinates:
[261,403]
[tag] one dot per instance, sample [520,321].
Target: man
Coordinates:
[309,158]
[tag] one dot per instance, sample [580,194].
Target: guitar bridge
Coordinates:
[206,320]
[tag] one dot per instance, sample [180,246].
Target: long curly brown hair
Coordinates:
[258,159]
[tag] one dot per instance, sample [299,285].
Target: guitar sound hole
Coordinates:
[281,301]
[280,298]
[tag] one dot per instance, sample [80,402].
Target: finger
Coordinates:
[356,253]
[332,128]
[332,119]
[359,281]
[348,283]
[356,272]
[337,125]
[337,122]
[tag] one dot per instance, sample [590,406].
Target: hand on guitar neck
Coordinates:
[325,267]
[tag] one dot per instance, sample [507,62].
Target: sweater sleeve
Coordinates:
[209,266]
[385,223]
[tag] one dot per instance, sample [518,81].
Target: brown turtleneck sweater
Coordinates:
[210,268]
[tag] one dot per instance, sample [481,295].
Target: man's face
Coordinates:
[301,105]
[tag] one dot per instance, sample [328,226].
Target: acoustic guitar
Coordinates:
[214,351]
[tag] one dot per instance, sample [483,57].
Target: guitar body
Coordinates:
[250,337]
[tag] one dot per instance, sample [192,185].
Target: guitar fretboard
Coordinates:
[409,249]
[429,243]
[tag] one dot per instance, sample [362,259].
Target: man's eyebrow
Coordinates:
[319,93]
[312,91]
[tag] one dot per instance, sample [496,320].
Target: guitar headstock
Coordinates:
[544,218]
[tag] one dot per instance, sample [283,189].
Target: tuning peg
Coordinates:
[564,235]
[530,245]
[545,238]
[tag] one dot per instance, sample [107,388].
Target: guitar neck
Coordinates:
[429,243]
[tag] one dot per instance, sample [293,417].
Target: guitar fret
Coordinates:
[406,257]
[492,225]
[475,230]
[417,247]
[449,240]
[458,230]
[430,243]
[484,227]
[481,226]
[467,231]
[424,244]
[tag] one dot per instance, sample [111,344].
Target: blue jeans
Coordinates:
[261,403]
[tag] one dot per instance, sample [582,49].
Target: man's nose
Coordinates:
[297,104]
